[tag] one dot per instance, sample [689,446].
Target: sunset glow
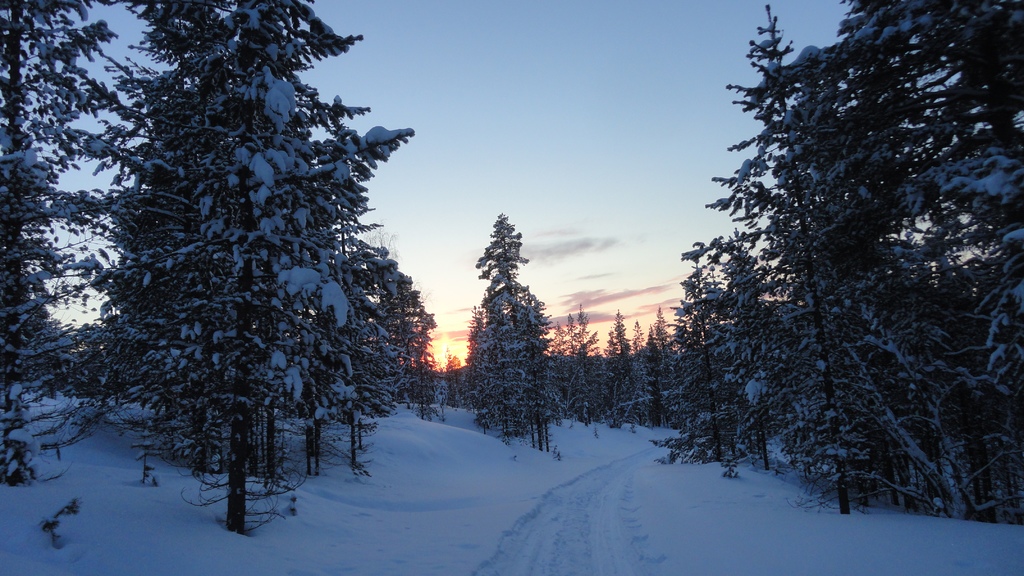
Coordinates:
[447,342]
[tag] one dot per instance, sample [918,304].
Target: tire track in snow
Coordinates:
[587,525]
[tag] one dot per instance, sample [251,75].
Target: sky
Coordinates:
[596,126]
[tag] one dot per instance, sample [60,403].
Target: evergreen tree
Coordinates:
[869,289]
[789,218]
[931,102]
[619,376]
[409,326]
[640,384]
[454,380]
[658,354]
[43,91]
[585,383]
[705,403]
[242,284]
[560,366]
[507,344]
[476,393]
[573,354]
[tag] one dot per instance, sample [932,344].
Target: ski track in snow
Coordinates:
[588,525]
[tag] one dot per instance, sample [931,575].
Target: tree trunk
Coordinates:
[238,457]
[762,440]
[241,417]
[317,445]
[352,442]
[270,456]
[14,466]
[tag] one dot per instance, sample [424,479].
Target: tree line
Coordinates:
[523,374]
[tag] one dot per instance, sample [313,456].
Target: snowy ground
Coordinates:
[447,499]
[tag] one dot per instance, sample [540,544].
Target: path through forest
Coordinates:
[588,525]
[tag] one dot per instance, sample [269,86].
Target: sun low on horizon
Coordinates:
[444,344]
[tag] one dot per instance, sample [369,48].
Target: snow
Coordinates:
[334,297]
[299,280]
[262,170]
[808,53]
[280,99]
[445,498]
[293,381]
[744,172]
[21,435]
[380,135]
[754,389]
[1015,236]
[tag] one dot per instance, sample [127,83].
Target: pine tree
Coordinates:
[43,91]
[560,366]
[242,284]
[476,394]
[933,139]
[705,403]
[870,289]
[658,354]
[409,326]
[583,347]
[640,385]
[619,376]
[788,218]
[507,344]
[453,378]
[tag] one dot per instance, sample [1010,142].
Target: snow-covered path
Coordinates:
[588,525]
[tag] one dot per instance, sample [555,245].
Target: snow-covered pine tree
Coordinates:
[618,374]
[43,91]
[239,284]
[880,204]
[789,220]
[560,366]
[571,367]
[454,380]
[659,356]
[585,383]
[532,327]
[924,136]
[476,394]
[363,353]
[705,405]
[409,325]
[640,385]
[745,328]
[507,344]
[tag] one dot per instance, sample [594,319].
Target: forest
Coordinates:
[863,327]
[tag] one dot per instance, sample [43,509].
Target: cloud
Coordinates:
[595,298]
[593,318]
[552,252]
[558,232]
[600,317]
[594,277]
[667,309]
[456,335]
